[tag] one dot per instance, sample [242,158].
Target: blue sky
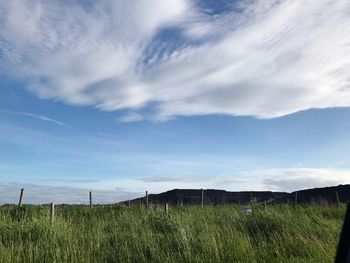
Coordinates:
[120,97]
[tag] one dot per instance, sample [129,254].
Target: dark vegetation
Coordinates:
[326,195]
[277,230]
[117,233]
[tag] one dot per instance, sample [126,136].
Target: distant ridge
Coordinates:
[220,197]
[323,194]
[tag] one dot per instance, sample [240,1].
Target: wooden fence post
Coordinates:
[21,197]
[146,199]
[338,199]
[90,197]
[52,212]
[202,192]
[166,209]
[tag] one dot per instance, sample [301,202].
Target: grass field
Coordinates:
[188,234]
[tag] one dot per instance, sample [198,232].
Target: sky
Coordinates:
[120,97]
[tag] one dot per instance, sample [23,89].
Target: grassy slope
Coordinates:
[189,234]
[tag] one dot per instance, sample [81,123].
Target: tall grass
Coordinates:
[188,234]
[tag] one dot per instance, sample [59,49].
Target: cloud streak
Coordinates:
[269,59]
[34,116]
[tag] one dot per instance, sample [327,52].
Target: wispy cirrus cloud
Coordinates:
[260,58]
[34,116]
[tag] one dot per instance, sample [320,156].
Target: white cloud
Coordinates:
[272,59]
[131,117]
[291,179]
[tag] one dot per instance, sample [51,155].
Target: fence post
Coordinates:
[166,209]
[21,197]
[90,197]
[146,199]
[338,199]
[202,192]
[52,212]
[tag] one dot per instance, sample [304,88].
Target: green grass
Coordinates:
[188,234]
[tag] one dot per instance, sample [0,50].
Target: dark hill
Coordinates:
[219,197]
[321,195]
[211,196]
